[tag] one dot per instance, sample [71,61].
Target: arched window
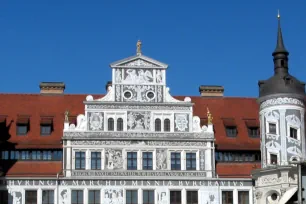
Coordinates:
[110,124]
[167,125]
[119,124]
[157,125]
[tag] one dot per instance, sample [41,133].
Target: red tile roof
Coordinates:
[35,106]
[236,170]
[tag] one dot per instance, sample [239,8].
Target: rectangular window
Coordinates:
[45,129]
[191,161]
[253,132]
[293,133]
[47,155]
[175,161]
[227,197]
[272,128]
[243,197]
[22,129]
[5,155]
[76,197]
[96,160]
[47,197]
[57,155]
[5,197]
[94,197]
[132,160]
[25,155]
[273,159]
[192,197]
[231,131]
[175,197]
[31,197]
[80,160]
[131,197]
[147,162]
[148,197]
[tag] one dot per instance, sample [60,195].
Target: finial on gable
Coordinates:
[278,15]
[67,116]
[209,117]
[138,45]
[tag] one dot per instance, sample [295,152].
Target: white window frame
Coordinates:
[298,130]
[162,117]
[169,158]
[115,115]
[125,163]
[197,152]
[276,122]
[153,159]
[73,159]
[102,158]
[275,152]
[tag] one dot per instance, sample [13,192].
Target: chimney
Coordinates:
[109,83]
[52,87]
[211,91]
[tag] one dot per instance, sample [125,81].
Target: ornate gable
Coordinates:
[139,61]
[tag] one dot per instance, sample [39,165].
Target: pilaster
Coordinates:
[302,132]
[283,135]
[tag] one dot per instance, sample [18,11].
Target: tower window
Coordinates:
[110,124]
[272,128]
[231,131]
[157,125]
[273,159]
[293,133]
[282,63]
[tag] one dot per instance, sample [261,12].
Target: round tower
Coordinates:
[281,100]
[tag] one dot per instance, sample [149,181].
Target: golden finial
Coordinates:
[278,15]
[66,116]
[209,117]
[138,45]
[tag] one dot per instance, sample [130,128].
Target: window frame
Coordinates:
[42,126]
[95,160]
[197,196]
[192,160]
[143,197]
[251,130]
[126,196]
[75,160]
[175,191]
[132,159]
[99,193]
[157,125]
[120,122]
[167,123]
[77,190]
[146,160]
[232,196]
[20,125]
[110,124]
[248,196]
[229,129]
[42,196]
[25,196]
[176,159]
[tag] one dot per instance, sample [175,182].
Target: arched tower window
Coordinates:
[167,125]
[110,124]
[158,125]
[119,124]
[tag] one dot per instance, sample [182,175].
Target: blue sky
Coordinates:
[221,42]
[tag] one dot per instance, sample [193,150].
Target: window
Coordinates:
[238,156]
[47,155]
[191,161]
[47,197]
[5,155]
[94,197]
[175,197]
[77,197]
[243,197]
[5,197]
[131,197]
[120,124]
[293,133]
[95,160]
[148,197]
[175,161]
[80,160]
[26,155]
[45,129]
[272,128]
[192,197]
[227,197]
[31,197]
[147,161]
[132,161]
[273,159]
[157,125]
[22,129]
[110,123]
[253,131]
[167,125]
[231,131]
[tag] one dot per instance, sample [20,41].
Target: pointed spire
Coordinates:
[280,47]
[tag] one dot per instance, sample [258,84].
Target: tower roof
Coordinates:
[281,84]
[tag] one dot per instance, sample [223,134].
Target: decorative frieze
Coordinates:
[136,135]
[281,101]
[137,107]
[140,143]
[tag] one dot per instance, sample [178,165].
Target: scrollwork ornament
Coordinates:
[258,194]
[281,101]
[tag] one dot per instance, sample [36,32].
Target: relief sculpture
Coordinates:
[118,76]
[181,122]
[161,159]
[95,121]
[113,196]
[162,198]
[138,93]
[114,159]
[17,196]
[139,77]
[159,77]
[64,196]
[138,121]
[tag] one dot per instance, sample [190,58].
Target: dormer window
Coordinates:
[157,125]
[230,127]
[119,124]
[272,128]
[293,133]
[46,126]
[22,125]
[253,127]
[253,131]
[167,125]
[110,124]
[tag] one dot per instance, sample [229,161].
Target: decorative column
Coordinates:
[208,163]
[68,159]
[263,139]
[302,132]
[283,135]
